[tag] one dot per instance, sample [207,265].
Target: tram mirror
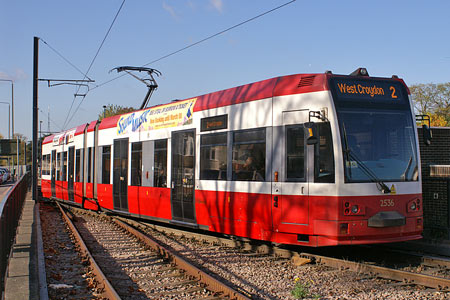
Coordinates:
[311,133]
[426,135]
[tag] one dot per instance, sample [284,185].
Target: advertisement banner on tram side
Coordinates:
[170,115]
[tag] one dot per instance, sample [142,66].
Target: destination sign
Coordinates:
[371,90]
[214,123]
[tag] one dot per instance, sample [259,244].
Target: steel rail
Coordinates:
[107,289]
[383,272]
[241,243]
[427,259]
[212,284]
[436,261]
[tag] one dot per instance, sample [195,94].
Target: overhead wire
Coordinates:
[66,122]
[51,120]
[178,51]
[198,42]
[185,48]
[65,59]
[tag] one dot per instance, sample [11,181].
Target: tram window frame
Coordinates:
[160,163]
[44,165]
[289,137]
[53,165]
[64,166]
[43,162]
[210,147]
[48,164]
[58,166]
[324,169]
[78,177]
[136,164]
[252,143]
[89,166]
[106,164]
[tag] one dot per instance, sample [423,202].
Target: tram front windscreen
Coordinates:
[377,130]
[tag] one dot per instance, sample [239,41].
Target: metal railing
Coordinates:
[10,210]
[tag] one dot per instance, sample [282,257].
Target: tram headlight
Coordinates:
[413,206]
[352,209]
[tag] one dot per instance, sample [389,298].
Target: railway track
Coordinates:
[259,271]
[401,276]
[130,265]
[430,272]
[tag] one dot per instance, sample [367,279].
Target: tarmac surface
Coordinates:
[4,188]
[25,277]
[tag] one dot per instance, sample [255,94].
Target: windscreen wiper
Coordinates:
[407,168]
[349,154]
[380,184]
[347,149]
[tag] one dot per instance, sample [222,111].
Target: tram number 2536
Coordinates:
[387,202]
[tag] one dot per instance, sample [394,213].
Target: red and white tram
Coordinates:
[306,159]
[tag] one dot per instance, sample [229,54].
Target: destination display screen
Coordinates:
[368,90]
[214,123]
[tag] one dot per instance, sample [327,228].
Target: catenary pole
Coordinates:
[35,117]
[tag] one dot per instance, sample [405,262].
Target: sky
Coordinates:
[406,38]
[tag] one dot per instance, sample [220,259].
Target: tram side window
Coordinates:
[160,164]
[295,153]
[89,166]
[53,166]
[58,166]
[44,165]
[106,164]
[324,162]
[213,156]
[249,155]
[64,167]
[78,166]
[136,164]
[48,164]
[43,162]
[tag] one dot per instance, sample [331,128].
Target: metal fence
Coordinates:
[10,211]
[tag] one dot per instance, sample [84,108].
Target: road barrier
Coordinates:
[10,212]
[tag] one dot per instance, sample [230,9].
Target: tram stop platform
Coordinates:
[26,267]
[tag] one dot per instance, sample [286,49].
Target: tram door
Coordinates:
[183,170]
[290,193]
[120,175]
[53,183]
[71,171]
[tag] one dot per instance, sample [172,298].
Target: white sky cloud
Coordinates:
[217,4]
[18,74]
[3,75]
[191,4]
[170,10]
